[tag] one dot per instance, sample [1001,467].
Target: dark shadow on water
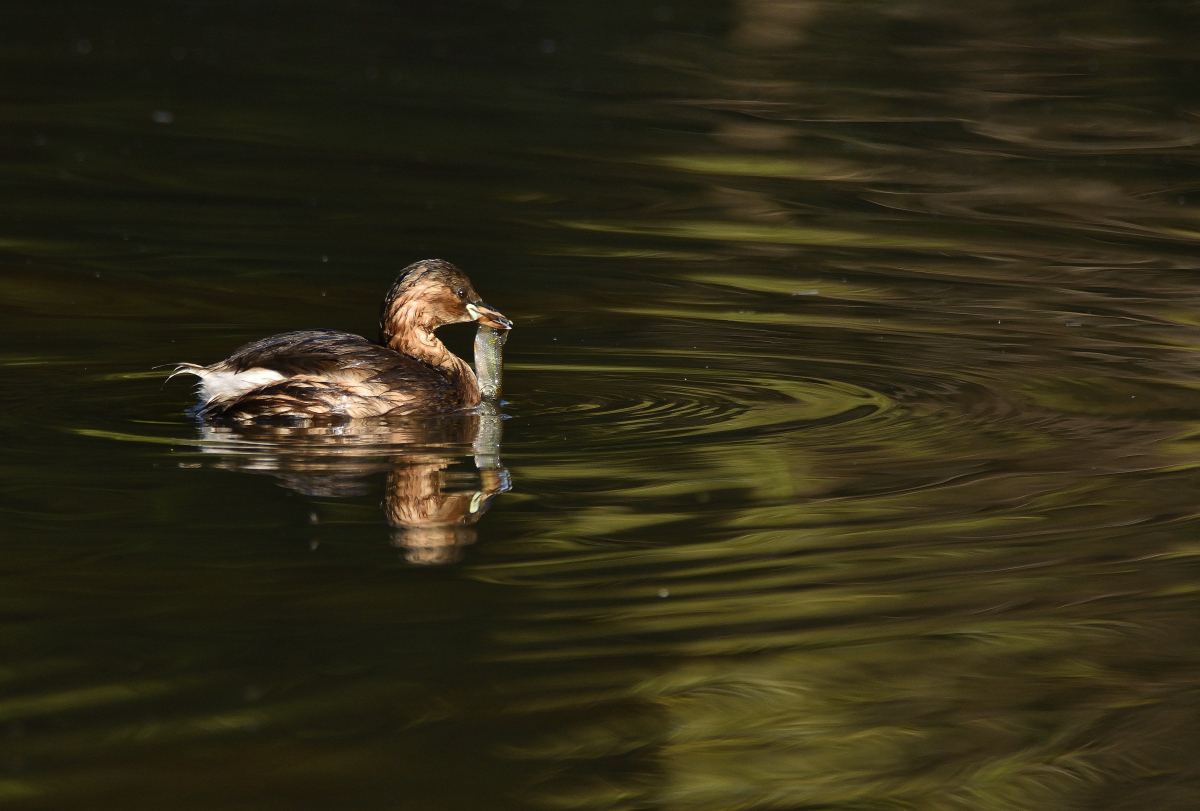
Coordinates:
[431,510]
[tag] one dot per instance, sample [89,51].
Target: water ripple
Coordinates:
[671,397]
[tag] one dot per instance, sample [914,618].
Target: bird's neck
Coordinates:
[418,341]
[407,330]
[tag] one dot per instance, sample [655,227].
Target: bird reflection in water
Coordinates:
[431,521]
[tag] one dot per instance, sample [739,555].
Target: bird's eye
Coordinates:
[461,293]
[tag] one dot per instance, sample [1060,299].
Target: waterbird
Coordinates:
[325,374]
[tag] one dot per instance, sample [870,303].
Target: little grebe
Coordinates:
[324,373]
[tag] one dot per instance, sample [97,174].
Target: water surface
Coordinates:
[850,456]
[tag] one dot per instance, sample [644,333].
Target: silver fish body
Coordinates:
[489,360]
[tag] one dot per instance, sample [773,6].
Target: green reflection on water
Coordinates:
[755,232]
[852,437]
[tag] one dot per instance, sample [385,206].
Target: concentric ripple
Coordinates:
[666,400]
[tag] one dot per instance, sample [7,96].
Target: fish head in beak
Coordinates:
[487,315]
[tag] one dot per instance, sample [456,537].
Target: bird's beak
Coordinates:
[488,316]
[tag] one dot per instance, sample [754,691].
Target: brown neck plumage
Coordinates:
[407,327]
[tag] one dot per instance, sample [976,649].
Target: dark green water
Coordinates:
[853,407]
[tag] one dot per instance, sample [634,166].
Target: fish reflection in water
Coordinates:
[431,523]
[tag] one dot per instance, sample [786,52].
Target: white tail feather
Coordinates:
[222,385]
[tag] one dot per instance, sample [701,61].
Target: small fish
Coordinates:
[489,360]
